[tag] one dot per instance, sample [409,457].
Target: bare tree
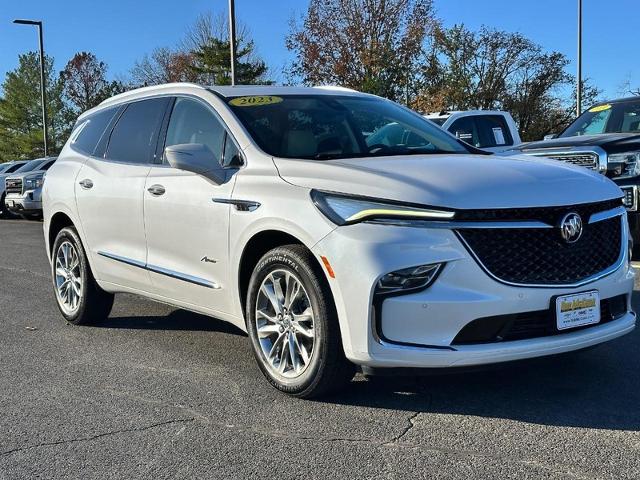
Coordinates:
[84,81]
[491,69]
[369,45]
[164,65]
[626,88]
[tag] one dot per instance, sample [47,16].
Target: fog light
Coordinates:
[408,279]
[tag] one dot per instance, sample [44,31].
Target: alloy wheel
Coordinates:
[285,324]
[68,277]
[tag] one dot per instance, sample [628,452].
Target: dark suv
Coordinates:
[605,138]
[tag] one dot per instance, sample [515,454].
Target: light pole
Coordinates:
[43,93]
[579,83]
[232,39]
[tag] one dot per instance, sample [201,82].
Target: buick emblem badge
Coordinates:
[571,227]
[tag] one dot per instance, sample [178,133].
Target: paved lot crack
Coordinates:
[97,436]
[410,424]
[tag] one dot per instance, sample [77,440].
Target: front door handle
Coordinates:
[156,190]
[86,184]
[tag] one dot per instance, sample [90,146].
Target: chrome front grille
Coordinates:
[538,256]
[13,185]
[582,159]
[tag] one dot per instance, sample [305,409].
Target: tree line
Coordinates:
[398,49]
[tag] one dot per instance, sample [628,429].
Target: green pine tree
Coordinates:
[21,111]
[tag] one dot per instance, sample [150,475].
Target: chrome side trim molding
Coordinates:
[183,276]
[623,251]
[162,271]
[241,205]
[118,258]
[607,214]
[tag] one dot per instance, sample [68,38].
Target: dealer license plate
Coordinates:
[577,310]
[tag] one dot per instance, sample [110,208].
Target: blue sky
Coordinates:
[119,31]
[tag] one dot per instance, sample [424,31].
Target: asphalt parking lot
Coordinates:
[157,392]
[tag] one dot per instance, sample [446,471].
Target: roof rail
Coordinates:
[335,87]
[152,88]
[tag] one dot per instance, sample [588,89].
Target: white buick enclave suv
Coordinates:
[272,209]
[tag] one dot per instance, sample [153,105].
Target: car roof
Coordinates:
[447,113]
[224,91]
[635,98]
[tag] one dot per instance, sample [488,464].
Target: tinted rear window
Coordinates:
[90,130]
[133,139]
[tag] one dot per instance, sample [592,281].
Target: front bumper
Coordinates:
[417,330]
[29,202]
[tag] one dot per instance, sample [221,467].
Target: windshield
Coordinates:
[323,127]
[623,117]
[4,167]
[30,166]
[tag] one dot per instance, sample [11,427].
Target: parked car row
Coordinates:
[605,139]
[21,187]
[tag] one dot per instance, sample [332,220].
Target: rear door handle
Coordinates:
[86,184]
[156,190]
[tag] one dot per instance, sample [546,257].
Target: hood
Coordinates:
[610,142]
[33,173]
[454,181]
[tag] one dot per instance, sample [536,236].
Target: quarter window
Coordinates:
[133,139]
[193,122]
[88,132]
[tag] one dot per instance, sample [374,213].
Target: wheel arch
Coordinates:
[58,221]
[259,244]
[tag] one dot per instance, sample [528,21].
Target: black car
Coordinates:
[605,138]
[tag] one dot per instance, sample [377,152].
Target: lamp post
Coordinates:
[232,39]
[579,83]
[43,93]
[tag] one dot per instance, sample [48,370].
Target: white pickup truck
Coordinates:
[490,130]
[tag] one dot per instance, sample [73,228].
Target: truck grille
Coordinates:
[539,256]
[14,185]
[582,159]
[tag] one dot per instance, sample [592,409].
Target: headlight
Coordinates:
[407,279]
[625,164]
[33,182]
[346,210]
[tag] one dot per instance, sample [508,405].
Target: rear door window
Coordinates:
[134,137]
[465,129]
[87,133]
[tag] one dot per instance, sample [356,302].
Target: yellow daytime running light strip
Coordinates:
[382,212]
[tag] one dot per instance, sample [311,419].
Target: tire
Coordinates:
[318,364]
[83,301]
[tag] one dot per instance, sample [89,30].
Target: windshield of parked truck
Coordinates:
[30,166]
[621,117]
[324,127]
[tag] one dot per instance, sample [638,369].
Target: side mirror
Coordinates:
[551,136]
[196,158]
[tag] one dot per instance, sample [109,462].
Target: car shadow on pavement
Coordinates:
[176,320]
[596,388]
